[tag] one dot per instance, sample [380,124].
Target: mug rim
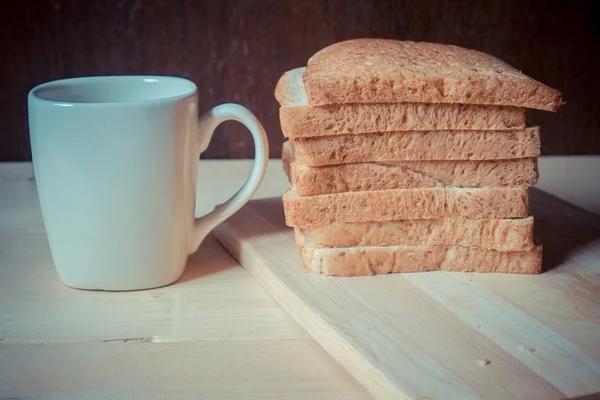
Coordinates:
[34,93]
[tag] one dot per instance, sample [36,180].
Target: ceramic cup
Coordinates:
[115,162]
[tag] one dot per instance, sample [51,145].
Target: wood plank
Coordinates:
[19,204]
[571,179]
[221,369]
[218,180]
[214,334]
[235,50]
[215,298]
[445,335]
[218,307]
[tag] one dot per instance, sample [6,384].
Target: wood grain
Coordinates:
[215,298]
[229,369]
[235,50]
[215,334]
[445,335]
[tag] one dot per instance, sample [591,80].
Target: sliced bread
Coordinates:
[299,119]
[496,234]
[310,181]
[365,261]
[413,146]
[393,71]
[399,204]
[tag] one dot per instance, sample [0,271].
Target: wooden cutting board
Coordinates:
[442,334]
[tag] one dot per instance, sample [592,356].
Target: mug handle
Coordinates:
[206,128]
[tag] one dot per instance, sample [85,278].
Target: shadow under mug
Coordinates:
[115,160]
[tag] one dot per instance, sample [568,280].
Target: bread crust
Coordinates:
[399,204]
[393,71]
[298,119]
[496,234]
[418,146]
[366,261]
[310,181]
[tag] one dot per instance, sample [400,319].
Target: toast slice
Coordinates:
[418,146]
[365,261]
[299,119]
[310,181]
[495,234]
[393,71]
[399,204]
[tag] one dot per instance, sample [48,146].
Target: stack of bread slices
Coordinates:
[409,156]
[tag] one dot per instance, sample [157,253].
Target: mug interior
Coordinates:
[114,89]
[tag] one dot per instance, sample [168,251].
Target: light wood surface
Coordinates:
[214,334]
[447,335]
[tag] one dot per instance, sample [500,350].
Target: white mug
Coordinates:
[115,161]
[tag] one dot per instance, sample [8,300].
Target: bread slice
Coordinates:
[310,181]
[496,234]
[298,119]
[364,261]
[413,146]
[399,204]
[393,71]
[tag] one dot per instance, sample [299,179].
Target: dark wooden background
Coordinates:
[236,50]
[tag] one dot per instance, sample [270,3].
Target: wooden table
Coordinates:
[214,334]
